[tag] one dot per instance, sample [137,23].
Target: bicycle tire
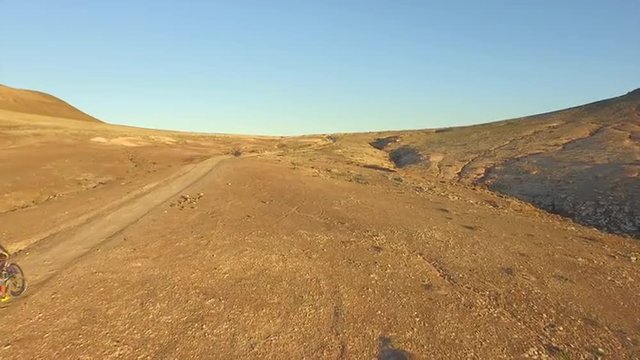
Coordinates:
[16,283]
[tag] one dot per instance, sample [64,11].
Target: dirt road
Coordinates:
[50,255]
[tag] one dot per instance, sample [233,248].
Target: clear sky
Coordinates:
[302,66]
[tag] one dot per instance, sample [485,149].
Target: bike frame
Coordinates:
[4,278]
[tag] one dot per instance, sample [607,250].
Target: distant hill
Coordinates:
[35,102]
[582,162]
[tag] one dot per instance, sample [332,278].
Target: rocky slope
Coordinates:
[583,162]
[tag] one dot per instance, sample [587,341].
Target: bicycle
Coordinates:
[12,281]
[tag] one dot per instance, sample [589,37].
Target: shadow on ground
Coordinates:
[386,350]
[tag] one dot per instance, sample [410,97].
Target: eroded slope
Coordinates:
[581,162]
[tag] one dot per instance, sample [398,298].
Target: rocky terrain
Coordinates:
[430,244]
[582,163]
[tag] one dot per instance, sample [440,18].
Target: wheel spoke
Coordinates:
[16,283]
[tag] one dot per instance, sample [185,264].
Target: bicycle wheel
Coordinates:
[16,284]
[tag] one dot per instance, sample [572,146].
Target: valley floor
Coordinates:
[281,256]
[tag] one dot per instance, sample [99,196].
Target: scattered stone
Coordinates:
[492,203]
[187,200]
[54,196]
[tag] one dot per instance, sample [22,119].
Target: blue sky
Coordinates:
[293,67]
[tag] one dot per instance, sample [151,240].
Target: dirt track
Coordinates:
[50,255]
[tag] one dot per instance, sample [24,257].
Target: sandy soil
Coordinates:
[325,268]
[296,249]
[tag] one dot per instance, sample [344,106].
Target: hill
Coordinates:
[38,103]
[583,162]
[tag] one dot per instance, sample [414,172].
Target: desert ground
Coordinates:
[464,243]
